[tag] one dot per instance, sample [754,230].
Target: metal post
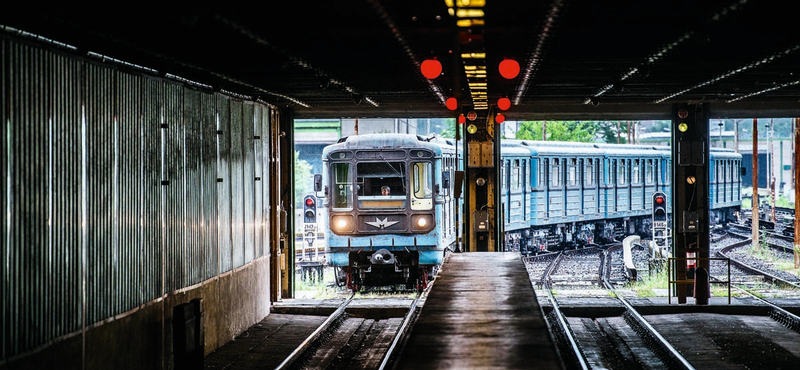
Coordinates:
[755,183]
[796,192]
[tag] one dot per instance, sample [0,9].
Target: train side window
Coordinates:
[542,178]
[342,187]
[504,176]
[622,172]
[515,175]
[572,173]
[422,183]
[648,172]
[523,173]
[555,173]
[668,172]
[636,172]
[588,173]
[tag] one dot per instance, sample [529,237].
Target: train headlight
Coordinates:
[342,224]
[421,223]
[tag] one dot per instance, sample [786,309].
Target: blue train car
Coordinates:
[586,193]
[390,204]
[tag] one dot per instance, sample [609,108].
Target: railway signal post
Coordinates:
[660,224]
[690,196]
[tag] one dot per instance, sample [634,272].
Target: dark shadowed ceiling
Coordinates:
[360,58]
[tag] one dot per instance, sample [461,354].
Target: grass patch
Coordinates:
[654,280]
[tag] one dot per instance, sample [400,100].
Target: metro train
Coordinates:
[561,194]
[554,195]
[390,205]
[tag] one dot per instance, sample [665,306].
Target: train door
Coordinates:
[622,187]
[636,185]
[505,197]
[555,189]
[649,182]
[590,189]
[572,191]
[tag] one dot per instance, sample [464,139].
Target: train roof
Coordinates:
[585,149]
[390,141]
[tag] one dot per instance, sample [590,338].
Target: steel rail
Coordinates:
[311,339]
[747,268]
[674,354]
[562,321]
[404,328]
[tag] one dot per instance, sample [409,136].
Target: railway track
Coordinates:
[344,342]
[623,342]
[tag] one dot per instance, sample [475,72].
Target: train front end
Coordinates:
[379,193]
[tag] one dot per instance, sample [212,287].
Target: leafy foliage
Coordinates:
[303,181]
[581,131]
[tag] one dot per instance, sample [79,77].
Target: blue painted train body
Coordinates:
[570,194]
[553,195]
[375,238]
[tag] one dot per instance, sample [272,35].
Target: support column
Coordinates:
[690,146]
[286,194]
[796,192]
[480,184]
[755,215]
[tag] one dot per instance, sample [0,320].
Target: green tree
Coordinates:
[557,130]
[608,132]
[303,181]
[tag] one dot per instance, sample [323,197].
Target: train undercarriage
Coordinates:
[385,268]
[581,234]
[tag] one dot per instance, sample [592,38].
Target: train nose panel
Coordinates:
[382,257]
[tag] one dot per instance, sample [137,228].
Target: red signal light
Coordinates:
[659,200]
[509,68]
[309,202]
[461,118]
[431,68]
[503,103]
[451,103]
[500,118]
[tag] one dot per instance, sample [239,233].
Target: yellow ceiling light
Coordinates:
[451,11]
[469,22]
[472,3]
[469,13]
[473,55]
[449,3]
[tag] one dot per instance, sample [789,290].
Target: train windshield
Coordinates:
[422,185]
[381,184]
[342,187]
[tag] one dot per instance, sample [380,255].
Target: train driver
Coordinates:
[384,190]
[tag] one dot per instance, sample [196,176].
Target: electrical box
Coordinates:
[481,154]
[481,222]
[691,222]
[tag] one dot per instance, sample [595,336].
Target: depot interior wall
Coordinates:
[125,194]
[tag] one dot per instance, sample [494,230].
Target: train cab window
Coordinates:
[622,172]
[381,184]
[588,173]
[555,173]
[636,172]
[342,187]
[421,185]
[572,173]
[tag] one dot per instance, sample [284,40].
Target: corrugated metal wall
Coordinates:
[118,188]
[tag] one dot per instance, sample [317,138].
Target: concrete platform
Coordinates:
[482,313]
